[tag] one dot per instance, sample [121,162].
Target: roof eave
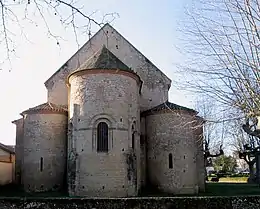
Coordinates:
[5,148]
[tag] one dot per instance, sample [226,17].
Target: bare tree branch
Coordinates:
[222,45]
[70,14]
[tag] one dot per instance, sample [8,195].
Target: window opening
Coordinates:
[133,137]
[102,137]
[41,164]
[170,161]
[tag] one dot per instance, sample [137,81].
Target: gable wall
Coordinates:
[155,86]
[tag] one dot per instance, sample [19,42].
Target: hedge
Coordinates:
[243,202]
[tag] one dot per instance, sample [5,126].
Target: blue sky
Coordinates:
[151,26]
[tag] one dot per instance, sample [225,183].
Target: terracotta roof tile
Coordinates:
[168,105]
[47,106]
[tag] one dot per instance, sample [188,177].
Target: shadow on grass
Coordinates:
[231,189]
[215,189]
[13,190]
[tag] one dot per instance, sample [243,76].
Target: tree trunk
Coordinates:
[205,169]
[257,167]
[251,179]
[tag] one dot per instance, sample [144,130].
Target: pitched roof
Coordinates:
[11,147]
[47,106]
[168,106]
[104,59]
[15,121]
[7,148]
[92,41]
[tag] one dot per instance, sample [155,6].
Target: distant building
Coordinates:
[7,164]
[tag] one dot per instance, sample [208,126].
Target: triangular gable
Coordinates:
[78,58]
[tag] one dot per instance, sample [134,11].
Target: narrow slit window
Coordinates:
[102,137]
[133,138]
[170,161]
[41,164]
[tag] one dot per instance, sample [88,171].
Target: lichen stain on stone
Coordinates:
[131,167]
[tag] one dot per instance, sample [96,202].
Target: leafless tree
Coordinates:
[240,142]
[213,131]
[222,43]
[15,15]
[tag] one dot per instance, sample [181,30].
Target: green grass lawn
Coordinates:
[232,179]
[231,189]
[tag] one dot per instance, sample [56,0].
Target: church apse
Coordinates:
[107,95]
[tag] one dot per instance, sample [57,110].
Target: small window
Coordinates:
[170,161]
[133,137]
[133,140]
[102,137]
[41,164]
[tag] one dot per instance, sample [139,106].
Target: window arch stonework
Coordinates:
[102,135]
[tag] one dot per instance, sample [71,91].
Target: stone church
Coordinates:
[108,129]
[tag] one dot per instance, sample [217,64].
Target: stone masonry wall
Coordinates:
[18,150]
[155,86]
[114,99]
[44,137]
[143,145]
[172,133]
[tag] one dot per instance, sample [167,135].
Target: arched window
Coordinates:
[170,161]
[102,137]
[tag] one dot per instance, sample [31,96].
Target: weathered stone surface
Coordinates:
[18,150]
[111,97]
[171,135]
[44,137]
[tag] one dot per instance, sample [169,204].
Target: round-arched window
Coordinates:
[102,137]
